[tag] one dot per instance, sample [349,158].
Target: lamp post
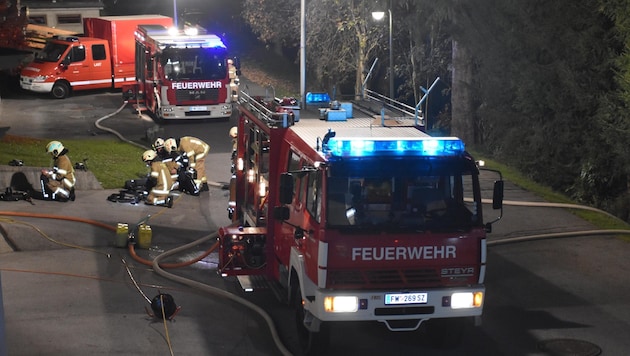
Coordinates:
[378,15]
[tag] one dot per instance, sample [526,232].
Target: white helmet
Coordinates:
[149,155]
[54,148]
[159,143]
[170,145]
[234,132]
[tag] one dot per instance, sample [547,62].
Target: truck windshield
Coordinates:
[194,63]
[414,196]
[52,52]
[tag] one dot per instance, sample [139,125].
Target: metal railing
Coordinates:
[258,107]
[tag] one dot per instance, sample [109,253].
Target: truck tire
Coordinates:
[311,343]
[60,90]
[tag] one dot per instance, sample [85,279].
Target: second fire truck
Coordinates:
[356,221]
[183,75]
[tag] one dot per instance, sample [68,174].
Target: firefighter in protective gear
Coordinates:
[178,165]
[170,159]
[196,150]
[58,182]
[160,180]
[233,136]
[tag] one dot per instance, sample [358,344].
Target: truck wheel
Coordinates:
[60,90]
[446,333]
[311,343]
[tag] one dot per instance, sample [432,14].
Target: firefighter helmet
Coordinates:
[54,148]
[170,145]
[149,155]
[234,132]
[159,143]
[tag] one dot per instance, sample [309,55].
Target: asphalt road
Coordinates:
[568,293]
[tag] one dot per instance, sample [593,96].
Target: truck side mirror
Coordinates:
[286,188]
[497,195]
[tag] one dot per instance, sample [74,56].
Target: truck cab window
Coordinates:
[294,165]
[77,54]
[402,198]
[314,195]
[98,52]
[52,52]
[194,63]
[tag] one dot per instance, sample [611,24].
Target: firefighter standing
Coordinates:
[196,150]
[58,182]
[160,180]
[233,136]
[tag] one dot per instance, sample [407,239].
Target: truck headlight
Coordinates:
[341,304]
[40,78]
[466,300]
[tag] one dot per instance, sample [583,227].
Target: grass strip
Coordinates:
[111,161]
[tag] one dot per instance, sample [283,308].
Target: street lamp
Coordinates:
[378,15]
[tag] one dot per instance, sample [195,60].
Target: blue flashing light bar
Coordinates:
[428,147]
[316,98]
[212,41]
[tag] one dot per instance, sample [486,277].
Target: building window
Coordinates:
[37,20]
[68,19]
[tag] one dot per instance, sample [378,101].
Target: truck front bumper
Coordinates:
[387,306]
[27,83]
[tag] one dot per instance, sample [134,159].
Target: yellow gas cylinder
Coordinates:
[144,236]
[122,234]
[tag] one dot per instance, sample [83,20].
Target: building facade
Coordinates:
[62,15]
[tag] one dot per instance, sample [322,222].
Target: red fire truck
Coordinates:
[186,75]
[103,58]
[357,221]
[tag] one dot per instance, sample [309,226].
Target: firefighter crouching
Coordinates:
[170,159]
[58,183]
[178,164]
[196,150]
[160,181]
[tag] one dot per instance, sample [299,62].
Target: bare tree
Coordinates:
[274,22]
[341,40]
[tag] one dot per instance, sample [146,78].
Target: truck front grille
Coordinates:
[404,310]
[196,95]
[342,279]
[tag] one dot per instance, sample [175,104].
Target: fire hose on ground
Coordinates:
[159,267]
[533,204]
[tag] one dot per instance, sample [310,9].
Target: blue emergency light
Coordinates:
[317,98]
[425,146]
[215,41]
[205,41]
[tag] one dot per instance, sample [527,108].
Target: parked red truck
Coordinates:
[357,221]
[103,58]
[183,75]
